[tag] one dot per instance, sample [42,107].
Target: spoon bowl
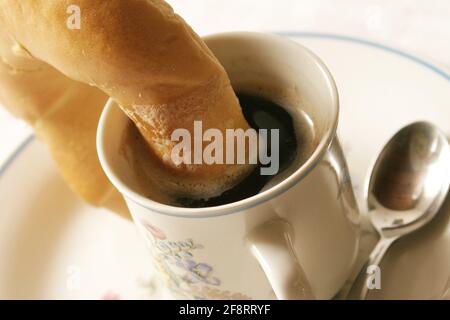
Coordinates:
[409,180]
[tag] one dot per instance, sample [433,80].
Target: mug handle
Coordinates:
[271,245]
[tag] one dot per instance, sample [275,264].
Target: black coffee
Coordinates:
[260,114]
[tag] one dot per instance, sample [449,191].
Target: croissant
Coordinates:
[57,75]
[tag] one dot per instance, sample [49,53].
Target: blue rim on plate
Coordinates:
[16,153]
[368,43]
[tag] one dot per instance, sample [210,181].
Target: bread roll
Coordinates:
[138,52]
[64,114]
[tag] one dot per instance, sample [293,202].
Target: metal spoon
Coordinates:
[446,294]
[408,185]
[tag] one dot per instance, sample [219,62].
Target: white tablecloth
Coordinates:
[419,27]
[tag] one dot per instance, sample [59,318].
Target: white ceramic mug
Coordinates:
[298,239]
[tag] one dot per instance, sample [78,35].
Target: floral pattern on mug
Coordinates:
[183,274]
[156,232]
[199,272]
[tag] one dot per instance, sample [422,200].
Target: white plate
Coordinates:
[54,246]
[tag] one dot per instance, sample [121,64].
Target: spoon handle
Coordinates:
[446,294]
[374,259]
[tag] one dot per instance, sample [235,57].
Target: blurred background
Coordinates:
[419,27]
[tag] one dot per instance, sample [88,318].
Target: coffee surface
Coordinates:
[294,141]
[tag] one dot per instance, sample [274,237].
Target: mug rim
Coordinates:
[247,203]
